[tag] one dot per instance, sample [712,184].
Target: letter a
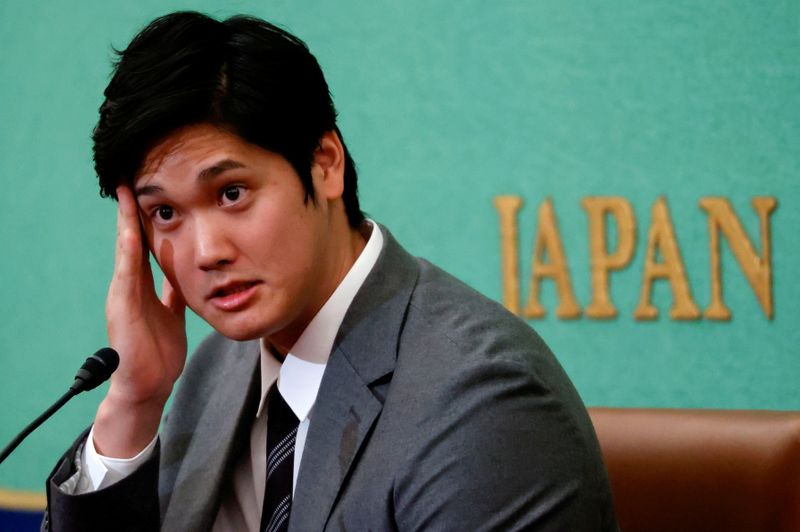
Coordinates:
[548,241]
[662,238]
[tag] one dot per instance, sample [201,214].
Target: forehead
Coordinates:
[193,149]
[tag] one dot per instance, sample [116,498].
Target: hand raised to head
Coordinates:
[148,333]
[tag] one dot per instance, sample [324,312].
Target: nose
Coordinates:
[213,247]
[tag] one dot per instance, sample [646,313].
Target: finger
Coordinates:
[172,299]
[128,258]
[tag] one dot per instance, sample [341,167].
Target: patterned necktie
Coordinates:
[281,432]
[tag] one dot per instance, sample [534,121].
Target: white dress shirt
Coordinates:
[298,378]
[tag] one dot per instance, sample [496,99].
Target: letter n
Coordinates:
[757,268]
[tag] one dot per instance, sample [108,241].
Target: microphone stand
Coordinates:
[36,422]
[96,370]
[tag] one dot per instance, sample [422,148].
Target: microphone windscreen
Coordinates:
[96,370]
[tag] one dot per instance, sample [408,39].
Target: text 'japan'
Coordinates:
[662,257]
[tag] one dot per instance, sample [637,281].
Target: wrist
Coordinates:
[123,428]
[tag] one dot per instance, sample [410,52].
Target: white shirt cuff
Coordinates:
[98,471]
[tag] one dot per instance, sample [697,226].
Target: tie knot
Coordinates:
[280,416]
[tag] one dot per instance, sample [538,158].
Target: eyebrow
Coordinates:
[147,190]
[213,171]
[206,174]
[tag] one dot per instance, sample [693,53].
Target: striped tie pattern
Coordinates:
[281,434]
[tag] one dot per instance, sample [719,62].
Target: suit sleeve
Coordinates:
[503,451]
[128,505]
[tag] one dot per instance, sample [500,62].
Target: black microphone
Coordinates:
[95,371]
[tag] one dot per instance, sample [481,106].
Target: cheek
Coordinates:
[169,262]
[165,253]
[288,251]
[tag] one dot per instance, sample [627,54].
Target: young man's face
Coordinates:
[230,227]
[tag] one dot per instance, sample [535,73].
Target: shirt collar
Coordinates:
[301,373]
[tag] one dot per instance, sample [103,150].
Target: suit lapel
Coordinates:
[213,446]
[365,351]
[338,428]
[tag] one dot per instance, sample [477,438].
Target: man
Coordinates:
[348,386]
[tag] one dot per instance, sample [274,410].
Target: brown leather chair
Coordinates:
[687,470]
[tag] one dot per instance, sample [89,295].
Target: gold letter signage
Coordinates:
[757,268]
[662,257]
[548,243]
[507,207]
[602,261]
[661,238]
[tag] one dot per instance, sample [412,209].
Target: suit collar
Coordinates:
[371,328]
[302,368]
[365,350]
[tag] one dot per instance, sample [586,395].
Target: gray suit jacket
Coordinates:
[438,410]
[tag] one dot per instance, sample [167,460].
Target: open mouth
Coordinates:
[233,289]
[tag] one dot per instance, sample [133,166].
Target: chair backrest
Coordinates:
[673,469]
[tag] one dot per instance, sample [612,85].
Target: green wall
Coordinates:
[444,106]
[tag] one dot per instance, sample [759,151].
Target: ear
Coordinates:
[327,170]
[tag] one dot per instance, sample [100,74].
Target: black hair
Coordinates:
[242,74]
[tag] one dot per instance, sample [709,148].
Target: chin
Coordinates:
[240,332]
[240,336]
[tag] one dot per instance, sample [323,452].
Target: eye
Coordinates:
[163,216]
[164,213]
[231,194]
